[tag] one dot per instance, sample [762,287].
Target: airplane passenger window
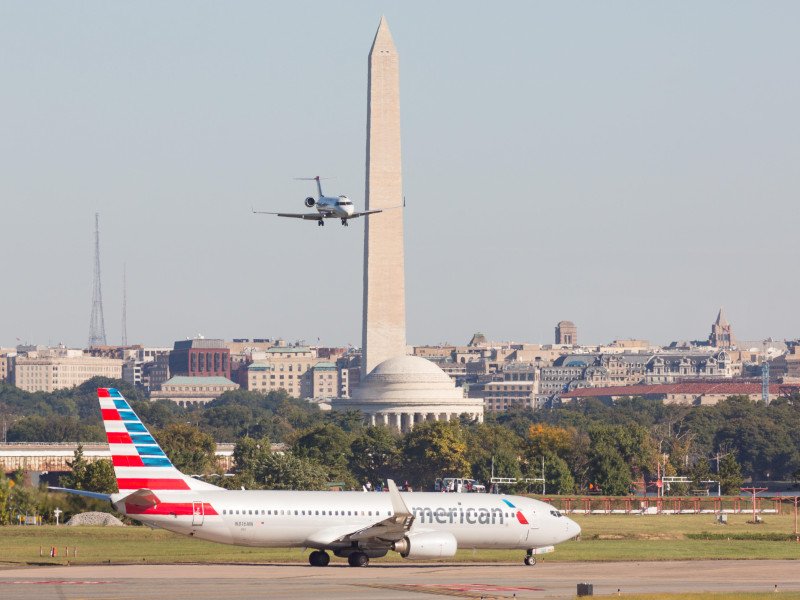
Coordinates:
[362,513]
[237,511]
[316,512]
[295,512]
[262,511]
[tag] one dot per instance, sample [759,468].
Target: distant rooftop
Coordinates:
[199,343]
[287,349]
[181,380]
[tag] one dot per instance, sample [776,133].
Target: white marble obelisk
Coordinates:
[384,325]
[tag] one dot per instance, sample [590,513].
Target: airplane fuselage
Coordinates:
[315,519]
[341,207]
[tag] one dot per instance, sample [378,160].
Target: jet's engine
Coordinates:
[310,202]
[431,544]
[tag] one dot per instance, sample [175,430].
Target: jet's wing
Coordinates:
[390,529]
[305,216]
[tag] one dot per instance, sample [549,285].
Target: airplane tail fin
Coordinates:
[139,462]
[317,179]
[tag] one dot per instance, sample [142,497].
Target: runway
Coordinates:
[394,581]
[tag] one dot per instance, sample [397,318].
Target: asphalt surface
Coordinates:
[401,581]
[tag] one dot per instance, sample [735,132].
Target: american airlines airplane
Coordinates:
[328,207]
[353,525]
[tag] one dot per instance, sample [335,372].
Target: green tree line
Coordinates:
[581,446]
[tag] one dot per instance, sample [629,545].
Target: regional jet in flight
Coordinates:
[353,525]
[328,207]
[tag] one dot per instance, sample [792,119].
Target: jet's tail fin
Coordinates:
[139,462]
[317,179]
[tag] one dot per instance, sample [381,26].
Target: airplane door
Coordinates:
[198,513]
[533,523]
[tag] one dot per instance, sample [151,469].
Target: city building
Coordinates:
[6,363]
[519,386]
[694,393]
[188,391]
[200,357]
[566,334]
[59,368]
[280,367]
[721,333]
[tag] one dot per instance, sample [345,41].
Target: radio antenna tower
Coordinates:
[124,307]
[97,326]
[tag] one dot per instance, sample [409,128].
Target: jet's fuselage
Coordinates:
[314,519]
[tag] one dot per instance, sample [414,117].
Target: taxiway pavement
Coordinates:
[393,581]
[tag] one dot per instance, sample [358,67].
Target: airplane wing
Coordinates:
[305,216]
[390,529]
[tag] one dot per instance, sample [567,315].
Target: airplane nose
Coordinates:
[573,529]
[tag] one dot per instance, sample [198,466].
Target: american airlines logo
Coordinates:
[459,514]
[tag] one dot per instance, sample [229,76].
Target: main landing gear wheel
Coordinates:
[345,223]
[358,559]
[321,223]
[318,558]
[530,560]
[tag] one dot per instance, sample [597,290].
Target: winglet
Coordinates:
[398,506]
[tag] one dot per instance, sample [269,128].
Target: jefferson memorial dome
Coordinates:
[405,390]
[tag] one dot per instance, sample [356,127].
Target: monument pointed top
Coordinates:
[383,42]
[721,320]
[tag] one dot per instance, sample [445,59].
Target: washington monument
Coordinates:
[384,326]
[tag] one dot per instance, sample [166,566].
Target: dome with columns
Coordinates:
[405,390]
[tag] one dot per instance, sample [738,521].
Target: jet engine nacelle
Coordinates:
[432,544]
[310,202]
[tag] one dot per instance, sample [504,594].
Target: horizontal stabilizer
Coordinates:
[98,495]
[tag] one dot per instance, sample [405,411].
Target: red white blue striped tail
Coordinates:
[139,462]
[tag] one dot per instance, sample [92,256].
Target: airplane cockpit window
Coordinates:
[555,513]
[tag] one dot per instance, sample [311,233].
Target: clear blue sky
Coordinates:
[628,166]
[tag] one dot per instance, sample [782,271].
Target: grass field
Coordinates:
[604,538]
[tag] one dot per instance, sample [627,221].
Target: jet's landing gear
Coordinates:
[358,559]
[530,559]
[345,223]
[319,558]
[321,223]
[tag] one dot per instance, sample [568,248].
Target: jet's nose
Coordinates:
[573,529]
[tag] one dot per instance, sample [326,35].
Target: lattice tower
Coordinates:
[97,326]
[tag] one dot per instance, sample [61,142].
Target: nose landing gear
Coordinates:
[530,559]
[321,222]
[345,223]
